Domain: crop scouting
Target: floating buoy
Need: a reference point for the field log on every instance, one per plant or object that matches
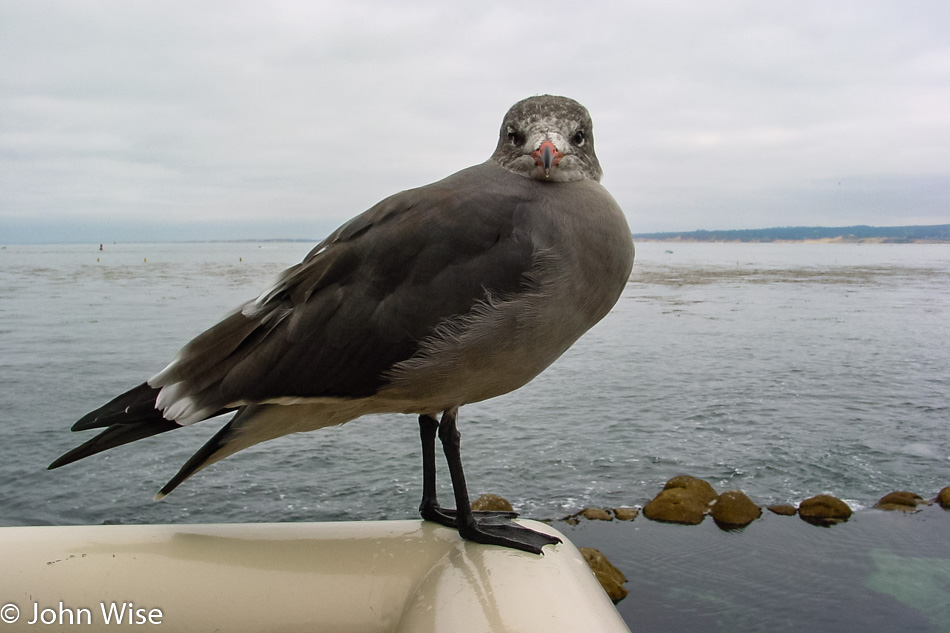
(145, 259)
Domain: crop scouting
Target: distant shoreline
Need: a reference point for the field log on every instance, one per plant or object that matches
(824, 240)
(917, 234)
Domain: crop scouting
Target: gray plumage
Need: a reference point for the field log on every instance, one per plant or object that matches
(436, 297)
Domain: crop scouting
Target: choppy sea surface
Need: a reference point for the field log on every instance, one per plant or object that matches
(784, 370)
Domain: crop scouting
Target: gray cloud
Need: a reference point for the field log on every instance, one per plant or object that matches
(213, 118)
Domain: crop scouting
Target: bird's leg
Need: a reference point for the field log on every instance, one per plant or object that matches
(430, 508)
(491, 530)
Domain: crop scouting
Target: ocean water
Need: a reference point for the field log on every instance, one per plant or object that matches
(784, 370)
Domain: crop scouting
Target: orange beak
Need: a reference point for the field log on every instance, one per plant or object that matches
(546, 156)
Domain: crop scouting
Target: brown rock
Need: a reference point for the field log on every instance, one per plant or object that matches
(698, 487)
(734, 510)
(684, 499)
(591, 514)
(784, 509)
(824, 510)
(902, 501)
(610, 578)
(596, 514)
(491, 503)
(675, 505)
(626, 514)
(943, 498)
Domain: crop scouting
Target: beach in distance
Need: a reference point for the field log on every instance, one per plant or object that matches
(862, 234)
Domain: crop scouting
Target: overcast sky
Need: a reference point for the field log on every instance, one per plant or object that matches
(191, 120)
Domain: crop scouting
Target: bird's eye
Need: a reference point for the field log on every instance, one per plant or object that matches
(579, 138)
(515, 137)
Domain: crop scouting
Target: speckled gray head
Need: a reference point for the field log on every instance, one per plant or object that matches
(548, 138)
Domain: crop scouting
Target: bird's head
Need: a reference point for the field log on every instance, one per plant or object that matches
(548, 138)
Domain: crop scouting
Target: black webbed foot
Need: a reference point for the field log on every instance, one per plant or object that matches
(505, 532)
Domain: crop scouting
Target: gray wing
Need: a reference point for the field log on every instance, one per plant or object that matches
(360, 302)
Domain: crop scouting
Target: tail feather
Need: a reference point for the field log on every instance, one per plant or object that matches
(126, 418)
(133, 416)
(254, 424)
(204, 457)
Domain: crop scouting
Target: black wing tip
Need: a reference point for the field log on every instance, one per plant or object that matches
(116, 435)
(136, 401)
(83, 450)
(87, 422)
(127, 417)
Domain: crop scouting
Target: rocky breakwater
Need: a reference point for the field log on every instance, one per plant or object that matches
(688, 500)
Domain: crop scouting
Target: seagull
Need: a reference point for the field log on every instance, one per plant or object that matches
(436, 297)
